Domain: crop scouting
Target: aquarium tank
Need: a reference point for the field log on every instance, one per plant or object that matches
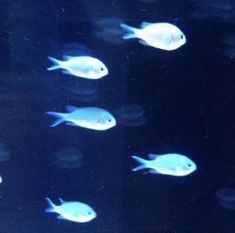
(117, 116)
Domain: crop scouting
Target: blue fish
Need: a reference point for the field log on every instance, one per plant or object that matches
(164, 36)
(167, 164)
(81, 66)
(86, 117)
(72, 211)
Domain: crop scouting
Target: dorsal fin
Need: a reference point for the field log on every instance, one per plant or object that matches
(67, 57)
(152, 156)
(71, 108)
(144, 24)
(61, 200)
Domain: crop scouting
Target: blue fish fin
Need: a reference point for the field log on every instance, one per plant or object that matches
(131, 31)
(67, 57)
(143, 42)
(71, 108)
(61, 200)
(70, 123)
(144, 24)
(152, 156)
(66, 72)
(60, 118)
(56, 64)
(51, 207)
(140, 167)
(60, 217)
(142, 163)
(152, 171)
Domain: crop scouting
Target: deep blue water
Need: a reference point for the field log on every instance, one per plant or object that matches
(187, 95)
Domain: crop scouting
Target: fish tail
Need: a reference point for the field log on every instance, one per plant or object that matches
(142, 163)
(56, 64)
(51, 207)
(60, 118)
(131, 32)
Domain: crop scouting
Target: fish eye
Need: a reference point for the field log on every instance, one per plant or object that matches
(181, 36)
(102, 68)
(189, 165)
(110, 120)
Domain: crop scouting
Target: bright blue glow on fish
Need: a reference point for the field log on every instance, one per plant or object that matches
(167, 164)
(164, 36)
(87, 117)
(81, 66)
(72, 211)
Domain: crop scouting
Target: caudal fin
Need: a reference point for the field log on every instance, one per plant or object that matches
(60, 118)
(51, 205)
(56, 64)
(131, 32)
(142, 163)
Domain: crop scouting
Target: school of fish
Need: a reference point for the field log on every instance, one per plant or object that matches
(160, 35)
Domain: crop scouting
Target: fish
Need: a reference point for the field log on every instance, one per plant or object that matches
(131, 115)
(86, 117)
(227, 194)
(67, 158)
(109, 30)
(163, 36)
(72, 211)
(81, 66)
(166, 164)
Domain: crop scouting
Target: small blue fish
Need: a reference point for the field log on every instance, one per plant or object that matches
(72, 211)
(81, 66)
(164, 36)
(86, 117)
(168, 164)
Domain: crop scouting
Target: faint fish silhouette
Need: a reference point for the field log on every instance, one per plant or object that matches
(226, 198)
(131, 115)
(5, 153)
(222, 10)
(109, 30)
(67, 158)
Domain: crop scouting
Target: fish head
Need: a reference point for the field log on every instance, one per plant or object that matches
(87, 216)
(176, 165)
(106, 121)
(177, 39)
(99, 70)
(186, 167)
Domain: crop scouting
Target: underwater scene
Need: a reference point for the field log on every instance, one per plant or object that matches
(117, 116)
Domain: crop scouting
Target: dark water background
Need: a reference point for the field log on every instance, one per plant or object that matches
(188, 96)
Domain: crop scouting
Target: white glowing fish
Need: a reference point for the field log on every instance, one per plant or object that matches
(81, 66)
(168, 164)
(86, 117)
(72, 211)
(164, 36)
